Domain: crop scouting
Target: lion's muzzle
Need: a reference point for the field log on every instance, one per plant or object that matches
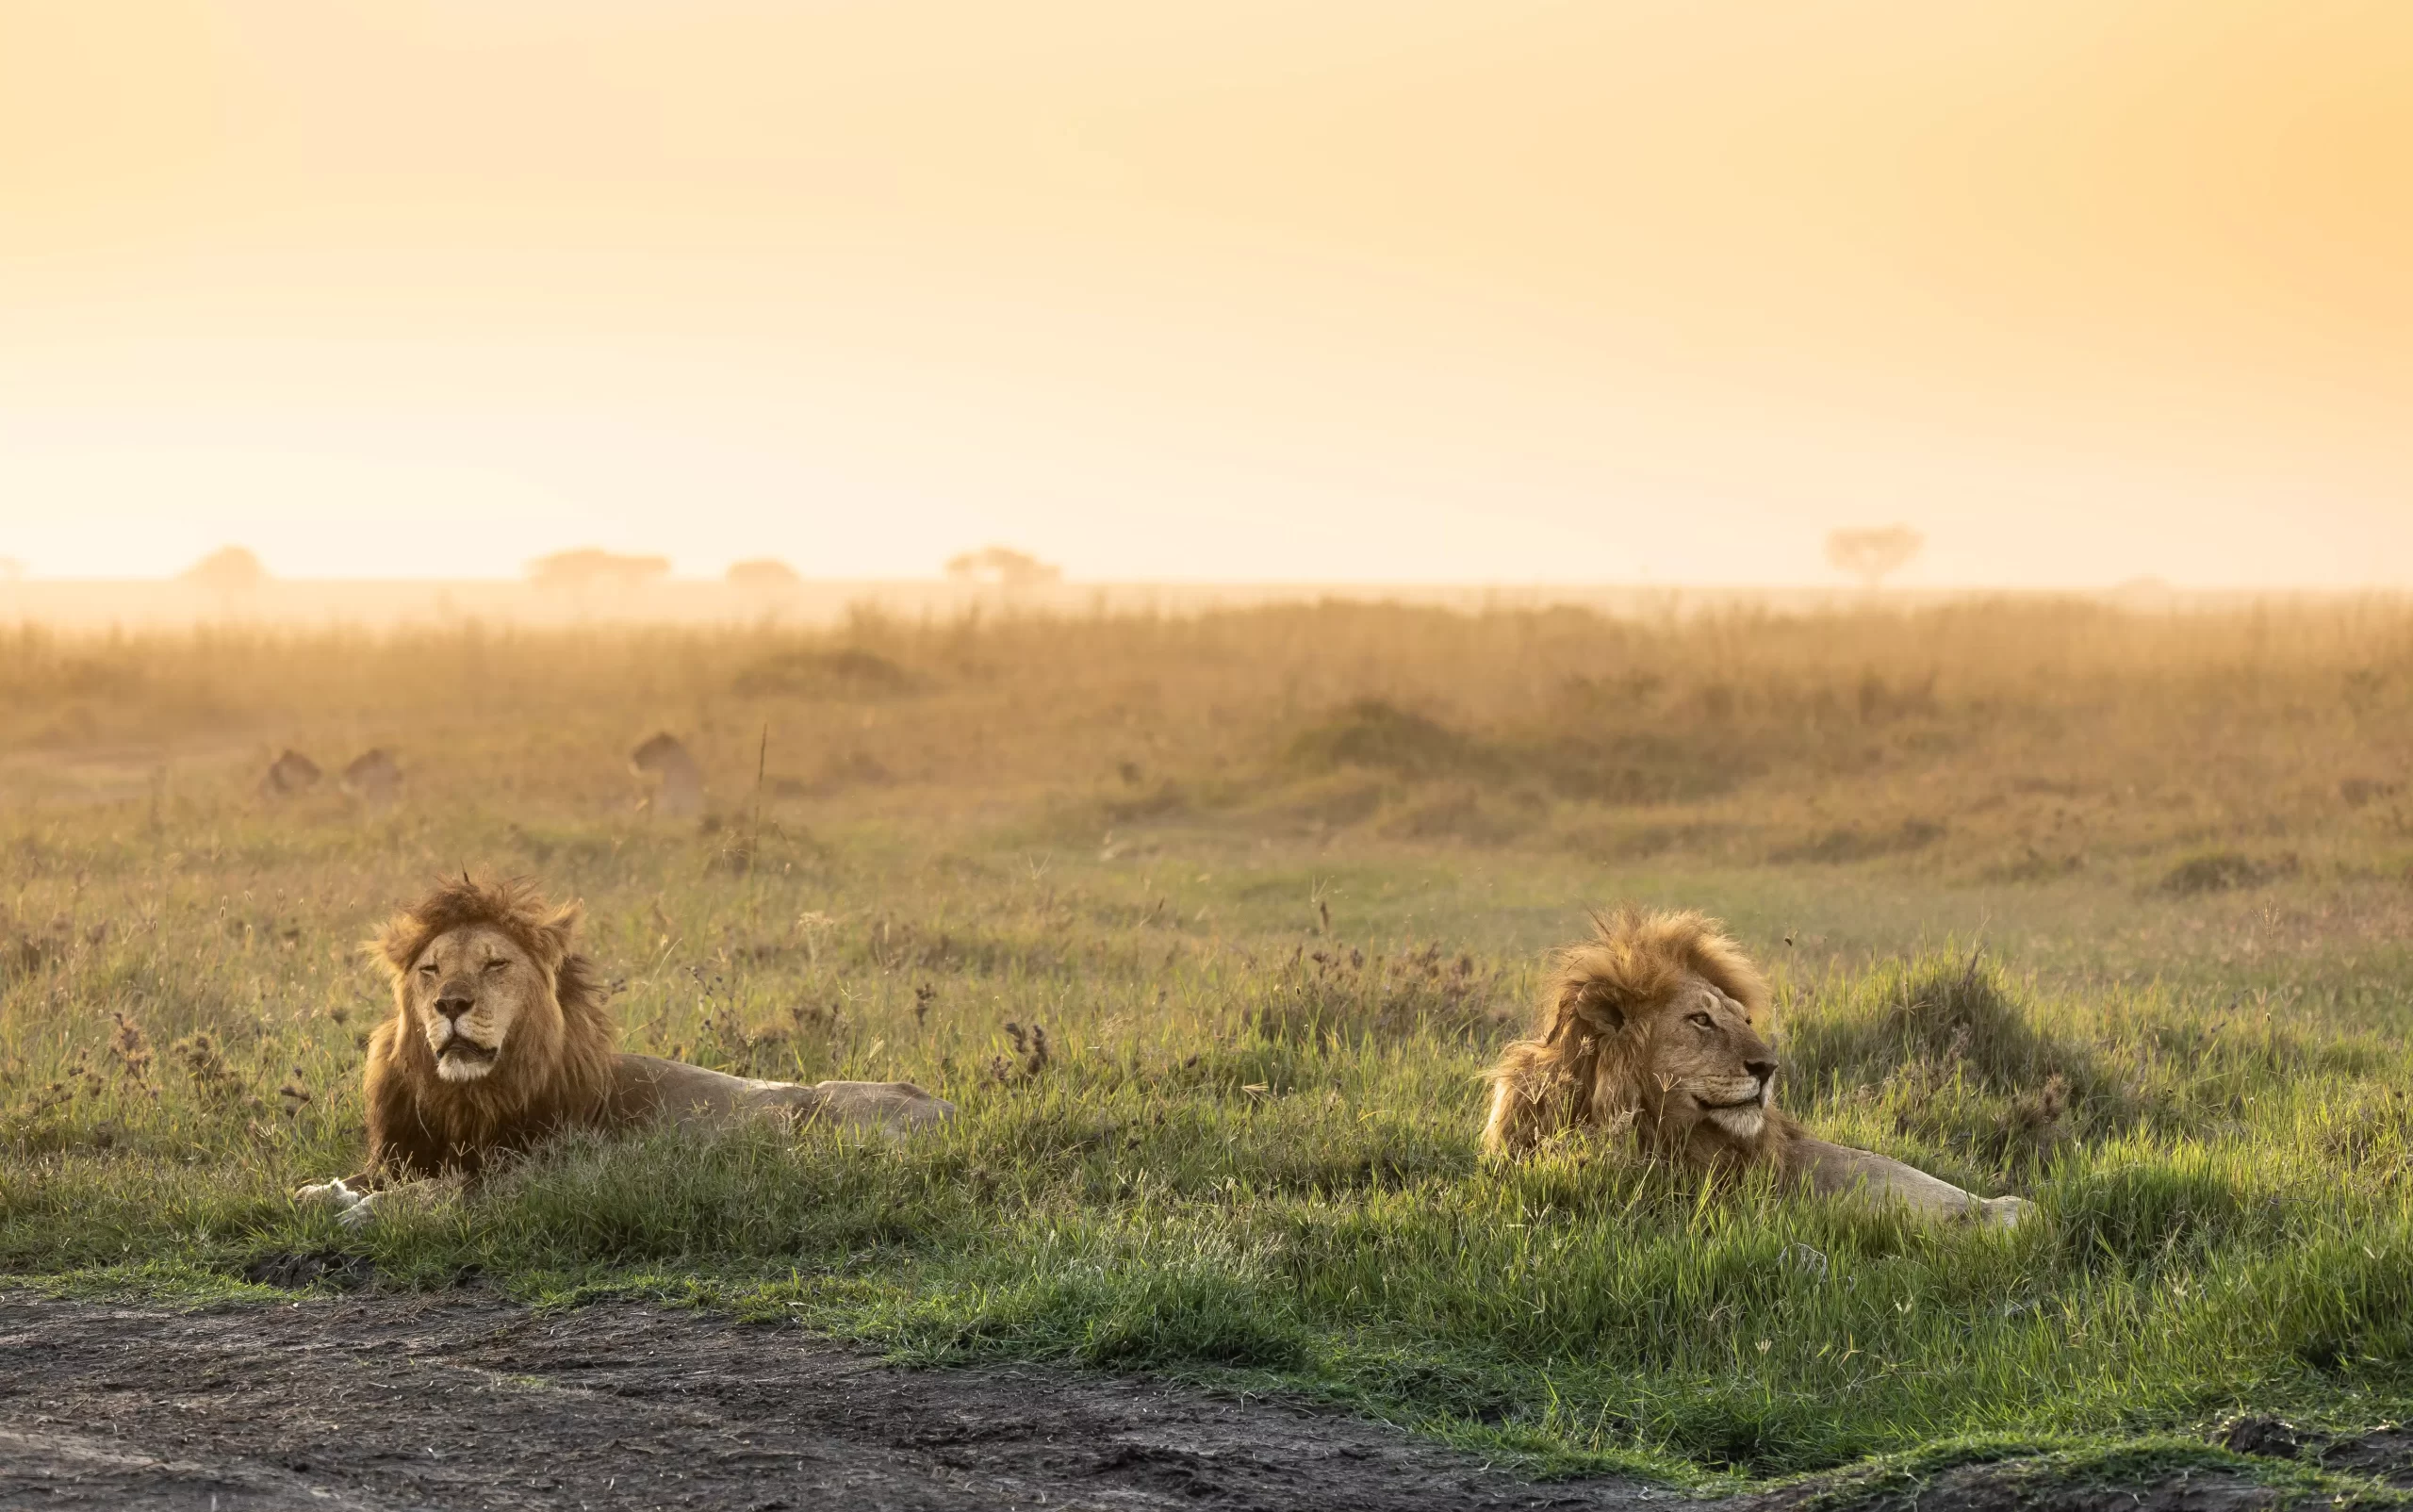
(459, 1056)
(1738, 1105)
(1720, 1093)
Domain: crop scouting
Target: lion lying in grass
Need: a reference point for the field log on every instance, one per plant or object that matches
(499, 1039)
(1647, 1035)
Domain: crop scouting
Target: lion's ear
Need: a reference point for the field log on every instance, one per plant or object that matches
(395, 945)
(554, 937)
(1595, 1004)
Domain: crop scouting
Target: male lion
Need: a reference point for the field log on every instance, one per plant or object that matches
(499, 1039)
(1647, 1034)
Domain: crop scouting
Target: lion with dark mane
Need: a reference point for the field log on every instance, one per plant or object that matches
(1647, 1036)
(499, 1039)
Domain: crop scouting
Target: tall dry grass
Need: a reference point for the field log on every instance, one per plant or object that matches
(1996, 739)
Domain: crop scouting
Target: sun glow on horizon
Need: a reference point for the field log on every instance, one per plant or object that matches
(1432, 292)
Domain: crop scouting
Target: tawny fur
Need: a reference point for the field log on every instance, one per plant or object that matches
(559, 1075)
(554, 1068)
(1591, 1065)
(1647, 1036)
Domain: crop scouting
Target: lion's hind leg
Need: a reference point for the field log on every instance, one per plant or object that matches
(2004, 1212)
(1838, 1170)
(893, 1108)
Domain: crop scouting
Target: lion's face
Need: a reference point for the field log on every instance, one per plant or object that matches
(1646, 1029)
(1707, 1063)
(467, 993)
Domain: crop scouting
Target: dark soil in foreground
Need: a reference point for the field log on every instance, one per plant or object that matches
(381, 1401)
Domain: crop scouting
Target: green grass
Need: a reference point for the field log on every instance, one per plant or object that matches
(1244, 1163)
(1249, 1156)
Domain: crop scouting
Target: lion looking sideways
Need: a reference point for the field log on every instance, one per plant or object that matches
(499, 1039)
(1647, 1033)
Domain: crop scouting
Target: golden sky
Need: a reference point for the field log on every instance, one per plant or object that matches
(1388, 289)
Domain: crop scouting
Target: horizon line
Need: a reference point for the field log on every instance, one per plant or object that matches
(2137, 584)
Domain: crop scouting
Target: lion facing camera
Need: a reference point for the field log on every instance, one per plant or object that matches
(499, 1039)
(1647, 1035)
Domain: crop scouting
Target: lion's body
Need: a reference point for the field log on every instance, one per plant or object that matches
(1647, 1036)
(499, 1040)
(646, 1088)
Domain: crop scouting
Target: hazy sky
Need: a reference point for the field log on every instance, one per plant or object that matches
(1262, 288)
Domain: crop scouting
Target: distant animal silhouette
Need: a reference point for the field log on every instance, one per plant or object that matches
(289, 776)
(375, 779)
(679, 790)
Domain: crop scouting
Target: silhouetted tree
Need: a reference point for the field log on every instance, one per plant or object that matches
(229, 571)
(587, 568)
(1003, 566)
(1870, 555)
(762, 575)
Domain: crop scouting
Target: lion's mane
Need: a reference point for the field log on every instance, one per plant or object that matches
(1590, 1064)
(555, 1072)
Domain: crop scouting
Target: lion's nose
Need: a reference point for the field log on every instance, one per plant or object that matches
(453, 1004)
(1762, 1069)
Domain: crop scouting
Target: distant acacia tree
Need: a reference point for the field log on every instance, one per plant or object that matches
(229, 571)
(1873, 554)
(587, 568)
(1003, 566)
(764, 575)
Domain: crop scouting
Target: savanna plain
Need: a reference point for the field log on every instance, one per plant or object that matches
(1209, 926)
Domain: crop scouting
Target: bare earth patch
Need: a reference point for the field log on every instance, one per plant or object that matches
(391, 1402)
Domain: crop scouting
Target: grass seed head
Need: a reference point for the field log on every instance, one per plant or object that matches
(131, 1048)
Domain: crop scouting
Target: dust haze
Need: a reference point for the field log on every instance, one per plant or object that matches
(1147, 570)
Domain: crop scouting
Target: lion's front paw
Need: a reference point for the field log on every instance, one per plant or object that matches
(335, 1194)
(2005, 1212)
(353, 1207)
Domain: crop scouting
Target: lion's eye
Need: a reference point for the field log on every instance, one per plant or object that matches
(493, 966)
(1703, 1020)
(428, 970)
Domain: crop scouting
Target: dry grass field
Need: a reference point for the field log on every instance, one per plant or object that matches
(1209, 924)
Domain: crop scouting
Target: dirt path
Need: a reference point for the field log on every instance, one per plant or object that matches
(384, 1402)
(379, 1402)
